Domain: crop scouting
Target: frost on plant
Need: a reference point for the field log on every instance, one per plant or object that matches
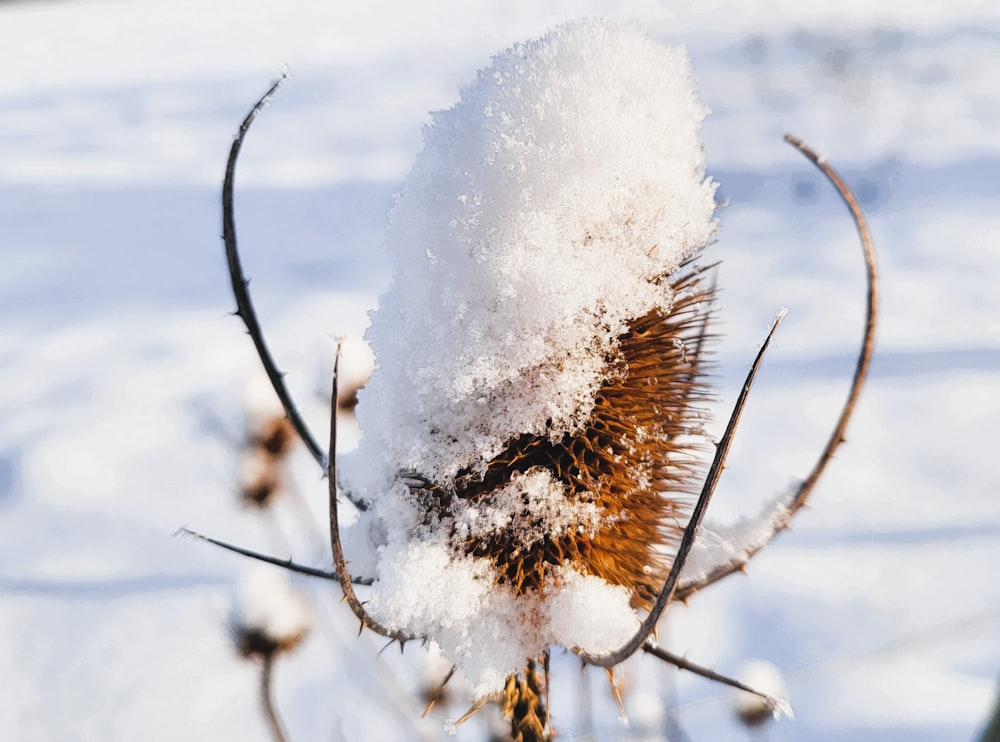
(527, 450)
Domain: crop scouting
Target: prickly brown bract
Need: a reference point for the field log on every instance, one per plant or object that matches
(524, 705)
(635, 460)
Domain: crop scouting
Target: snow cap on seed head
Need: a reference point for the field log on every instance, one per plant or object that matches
(764, 677)
(542, 215)
(268, 616)
(546, 213)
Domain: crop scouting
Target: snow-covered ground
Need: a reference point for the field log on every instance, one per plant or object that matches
(123, 379)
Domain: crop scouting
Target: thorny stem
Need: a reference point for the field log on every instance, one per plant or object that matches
(805, 488)
(339, 562)
(267, 702)
(683, 664)
(283, 563)
(691, 530)
(244, 305)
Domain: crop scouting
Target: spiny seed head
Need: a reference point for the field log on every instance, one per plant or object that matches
(625, 476)
(531, 429)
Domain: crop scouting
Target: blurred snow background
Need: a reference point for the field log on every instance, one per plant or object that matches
(124, 381)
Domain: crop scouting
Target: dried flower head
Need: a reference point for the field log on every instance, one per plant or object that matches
(270, 437)
(268, 616)
(765, 677)
(529, 447)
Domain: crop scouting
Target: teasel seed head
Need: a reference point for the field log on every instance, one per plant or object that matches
(530, 432)
(627, 474)
(270, 438)
(268, 616)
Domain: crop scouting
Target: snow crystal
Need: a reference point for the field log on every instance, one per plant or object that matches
(546, 212)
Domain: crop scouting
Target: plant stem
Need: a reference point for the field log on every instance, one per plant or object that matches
(267, 702)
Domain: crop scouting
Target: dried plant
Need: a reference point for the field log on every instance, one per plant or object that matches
(606, 507)
(263, 459)
(750, 709)
(268, 620)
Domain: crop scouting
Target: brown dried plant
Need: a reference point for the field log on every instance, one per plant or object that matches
(645, 486)
(264, 632)
(264, 458)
